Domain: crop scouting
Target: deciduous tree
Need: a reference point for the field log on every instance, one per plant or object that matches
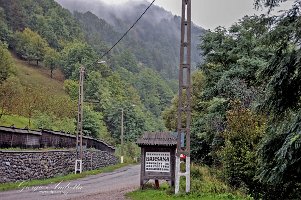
(51, 59)
(30, 45)
(7, 67)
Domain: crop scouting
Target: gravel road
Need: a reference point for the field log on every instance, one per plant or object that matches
(106, 186)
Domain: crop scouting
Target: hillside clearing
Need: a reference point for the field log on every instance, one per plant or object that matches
(38, 76)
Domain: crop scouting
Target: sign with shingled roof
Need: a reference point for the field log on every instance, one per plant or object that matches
(157, 157)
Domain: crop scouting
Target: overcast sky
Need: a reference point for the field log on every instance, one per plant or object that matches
(210, 13)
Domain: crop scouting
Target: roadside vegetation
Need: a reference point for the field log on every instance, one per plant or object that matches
(205, 185)
(131, 152)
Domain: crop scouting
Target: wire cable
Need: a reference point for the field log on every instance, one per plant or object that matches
(128, 30)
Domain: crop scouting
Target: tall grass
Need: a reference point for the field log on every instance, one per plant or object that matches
(17, 121)
(205, 185)
(34, 76)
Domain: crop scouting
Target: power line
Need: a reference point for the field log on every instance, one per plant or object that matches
(128, 29)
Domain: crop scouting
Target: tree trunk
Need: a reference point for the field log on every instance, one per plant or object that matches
(29, 119)
(51, 73)
(2, 111)
(37, 62)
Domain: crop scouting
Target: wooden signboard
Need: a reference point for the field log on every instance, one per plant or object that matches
(157, 157)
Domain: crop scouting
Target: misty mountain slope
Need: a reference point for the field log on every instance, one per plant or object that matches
(96, 29)
(155, 40)
(51, 35)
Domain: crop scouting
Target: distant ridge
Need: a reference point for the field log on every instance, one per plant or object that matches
(155, 40)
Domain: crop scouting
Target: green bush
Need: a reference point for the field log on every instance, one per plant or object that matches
(238, 156)
(131, 152)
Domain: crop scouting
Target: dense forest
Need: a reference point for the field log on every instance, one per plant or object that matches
(154, 41)
(48, 36)
(246, 104)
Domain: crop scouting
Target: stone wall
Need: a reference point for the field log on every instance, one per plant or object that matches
(27, 165)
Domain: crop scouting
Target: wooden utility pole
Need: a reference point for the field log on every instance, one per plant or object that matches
(79, 133)
(184, 107)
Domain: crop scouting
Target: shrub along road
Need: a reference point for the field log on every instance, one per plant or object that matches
(107, 186)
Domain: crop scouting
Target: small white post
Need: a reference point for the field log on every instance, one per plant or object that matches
(78, 166)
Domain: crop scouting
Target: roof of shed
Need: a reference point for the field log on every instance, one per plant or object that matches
(74, 136)
(19, 130)
(58, 133)
(158, 139)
